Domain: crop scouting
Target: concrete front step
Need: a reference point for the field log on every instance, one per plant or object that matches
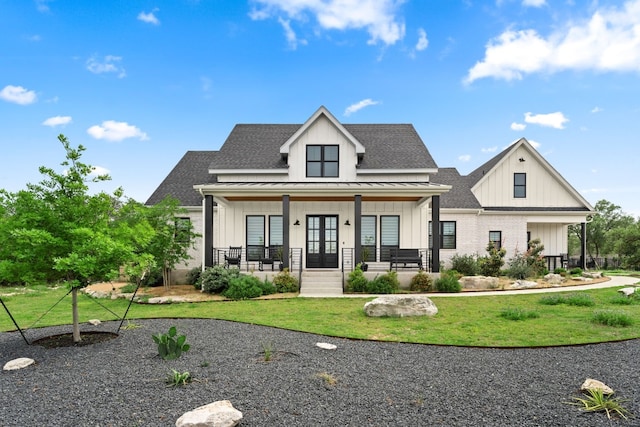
(321, 284)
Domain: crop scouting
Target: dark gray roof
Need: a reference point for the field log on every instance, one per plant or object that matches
(460, 195)
(192, 169)
(478, 173)
(388, 146)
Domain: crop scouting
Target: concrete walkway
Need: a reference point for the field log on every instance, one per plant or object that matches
(613, 282)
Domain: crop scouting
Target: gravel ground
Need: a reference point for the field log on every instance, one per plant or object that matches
(121, 382)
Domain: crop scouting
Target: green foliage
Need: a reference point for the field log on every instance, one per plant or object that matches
(170, 345)
(356, 282)
(129, 288)
(612, 318)
(627, 245)
(243, 287)
(267, 351)
(421, 282)
(152, 277)
(384, 284)
(551, 299)
(216, 279)
(467, 265)
(595, 400)
(518, 314)
(193, 277)
(575, 299)
(491, 264)
(267, 287)
(285, 282)
(178, 379)
(577, 271)
(561, 271)
(448, 282)
(528, 264)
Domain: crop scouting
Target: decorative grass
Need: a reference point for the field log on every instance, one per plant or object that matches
(595, 400)
(466, 321)
(578, 299)
(518, 313)
(612, 318)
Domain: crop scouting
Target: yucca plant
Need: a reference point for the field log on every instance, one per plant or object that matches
(595, 400)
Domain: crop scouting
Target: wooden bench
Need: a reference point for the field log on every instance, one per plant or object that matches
(404, 257)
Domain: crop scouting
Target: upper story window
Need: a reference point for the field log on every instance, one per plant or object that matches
(322, 161)
(519, 185)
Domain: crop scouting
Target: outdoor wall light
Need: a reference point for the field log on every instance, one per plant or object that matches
(297, 222)
(347, 222)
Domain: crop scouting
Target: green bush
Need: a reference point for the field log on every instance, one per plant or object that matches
(577, 300)
(552, 299)
(216, 279)
(193, 277)
(612, 318)
(467, 265)
(356, 282)
(267, 287)
(491, 264)
(244, 287)
(152, 278)
(385, 284)
(576, 271)
(285, 282)
(448, 282)
(560, 270)
(421, 282)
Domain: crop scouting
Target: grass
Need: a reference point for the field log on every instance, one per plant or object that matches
(517, 313)
(465, 321)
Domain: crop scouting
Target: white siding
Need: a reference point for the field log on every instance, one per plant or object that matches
(552, 236)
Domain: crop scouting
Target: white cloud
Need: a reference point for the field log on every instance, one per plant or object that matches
(534, 3)
(18, 95)
(99, 170)
(57, 121)
(464, 158)
(596, 110)
(489, 149)
(111, 130)
(149, 18)
(554, 120)
(378, 17)
(359, 106)
(534, 144)
(110, 64)
(423, 42)
(290, 35)
(608, 41)
(518, 126)
(42, 6)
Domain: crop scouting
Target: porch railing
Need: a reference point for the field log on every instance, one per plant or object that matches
(377, 259)
(249, 259)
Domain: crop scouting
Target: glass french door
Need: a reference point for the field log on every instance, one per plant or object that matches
(322, 241)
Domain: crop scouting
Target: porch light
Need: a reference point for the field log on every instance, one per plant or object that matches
(347, 222)
(297, 222)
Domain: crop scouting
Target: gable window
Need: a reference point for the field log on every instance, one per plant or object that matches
(389, 235)
(182, 229)
(495, 237)
(447, 235)
(368, 238)
(519, 185)
(322, 161)
(255, 237)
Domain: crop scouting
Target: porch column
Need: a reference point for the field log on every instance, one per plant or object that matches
(435, 233)
(583, 246)
(285, 230)
(208, 231)
(357, 229)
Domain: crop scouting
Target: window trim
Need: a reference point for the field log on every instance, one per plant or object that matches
(253, 251)
(442, 235)
(496, 243)
(322, 162)
(385, 250)
(522, 194)
(372, 245)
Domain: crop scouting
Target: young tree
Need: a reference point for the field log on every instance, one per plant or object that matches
(628, 245)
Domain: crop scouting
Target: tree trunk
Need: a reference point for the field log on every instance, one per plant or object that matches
(166, 277)
(74, 310)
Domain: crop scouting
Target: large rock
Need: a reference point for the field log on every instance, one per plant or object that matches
(216, 414)
(628, 291)
(592, 274)
(553, 279)
(400, 306)
(523, 284)
(479, 282)
(19, 363)
(591, 384)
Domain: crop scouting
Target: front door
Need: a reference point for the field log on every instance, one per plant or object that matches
(322, 241)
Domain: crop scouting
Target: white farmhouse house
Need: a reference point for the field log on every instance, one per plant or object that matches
(325, 196)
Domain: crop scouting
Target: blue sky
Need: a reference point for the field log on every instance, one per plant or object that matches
(138, 83)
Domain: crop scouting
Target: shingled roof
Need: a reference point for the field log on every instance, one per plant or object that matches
(460, 195)
(193, 168)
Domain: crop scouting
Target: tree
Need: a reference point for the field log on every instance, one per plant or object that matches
(627, 245)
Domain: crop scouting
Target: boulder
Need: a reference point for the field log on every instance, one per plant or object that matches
(628, 291)
(553, 279)
(216, 414)
(591, 384)
(19, 363)
(479, 282)
(592, 274)
(326, 346)
(400, 306)
(523, 284)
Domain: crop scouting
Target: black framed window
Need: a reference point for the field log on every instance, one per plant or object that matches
(519, 185)
(255, 237)
(495, 237)
(389, 235)
(322, 161)
(368, 238)
(182, 230)
(275, 235)
(447, 234)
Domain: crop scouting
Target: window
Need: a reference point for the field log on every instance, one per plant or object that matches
(495, 237)
(322, 161)
(255, 237)
(519, 185)
(368, 238)
(182, 230)
(447, 235)
(389, 236)
(275, 230)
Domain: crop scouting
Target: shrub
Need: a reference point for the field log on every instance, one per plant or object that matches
(560, 270)
(580, 300)
(448, 282)
(421, 282)
(530, 263)
(553, 299)
(612, 318)
(267, 287)
(467, 265)
(576, 271)
(193, 277)
(152, 278)
(519, 268)
(518, 314)
(170, 345)
(356, 282)
(385, 284)
(285, 282)
(129, 288)
(216, 279)
(491, 264)
(243, 287)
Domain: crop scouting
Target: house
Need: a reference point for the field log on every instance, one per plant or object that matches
(330, 195)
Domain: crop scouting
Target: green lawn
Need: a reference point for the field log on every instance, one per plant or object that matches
(467, 321)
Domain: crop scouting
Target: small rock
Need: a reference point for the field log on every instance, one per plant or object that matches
(166, 300)
(627, 291)
(591, 384)
(94, 322)
(216, 414)
(400, 306)
(523, 284)
(19, 363)
(326, 346)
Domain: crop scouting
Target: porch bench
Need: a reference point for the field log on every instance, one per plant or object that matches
(404, 257)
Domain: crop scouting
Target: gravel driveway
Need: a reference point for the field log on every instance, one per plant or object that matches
(121, 382)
